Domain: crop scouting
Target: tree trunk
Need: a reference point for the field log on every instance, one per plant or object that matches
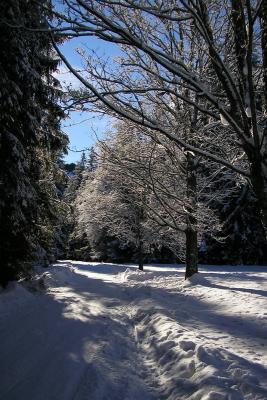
(191, 252)
(263, 188)
(263, 24)
(191, 230)
(262, 201)
(140, 248)
(140, 256)
(259, 185)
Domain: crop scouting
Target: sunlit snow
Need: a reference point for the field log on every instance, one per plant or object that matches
(106, 331)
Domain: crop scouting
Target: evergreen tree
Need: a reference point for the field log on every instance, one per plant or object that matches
(242, 237)
(75, 180)
(77, 243)
(30, 137)
(92, 160)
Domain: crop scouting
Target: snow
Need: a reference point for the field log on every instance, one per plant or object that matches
(224, 120)
(107, 332)
(248, 112)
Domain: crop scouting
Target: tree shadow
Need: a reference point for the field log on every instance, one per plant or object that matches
(69, 346)
(187, 309)
(200, 316)
(56, 353)
(236, 288)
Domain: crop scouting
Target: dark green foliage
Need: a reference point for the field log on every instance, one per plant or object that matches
(69, 168)
(30, 137)
(74, 183)
(242, 236)
(76, 243)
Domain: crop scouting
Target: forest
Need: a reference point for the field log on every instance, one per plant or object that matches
(181, 171)
(173, 194)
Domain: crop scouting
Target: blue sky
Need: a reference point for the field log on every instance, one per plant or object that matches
(82, 128)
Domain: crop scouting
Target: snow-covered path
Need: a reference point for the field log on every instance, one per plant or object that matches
(109, 332)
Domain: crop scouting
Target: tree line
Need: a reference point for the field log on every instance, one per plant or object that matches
(133, 205)
(191, 72)
(184, 167)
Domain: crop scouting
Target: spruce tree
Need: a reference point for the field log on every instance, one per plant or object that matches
(30, 137)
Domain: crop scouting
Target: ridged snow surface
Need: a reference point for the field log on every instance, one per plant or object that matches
(88, 331)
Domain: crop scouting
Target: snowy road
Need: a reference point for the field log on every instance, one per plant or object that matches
(109, 332)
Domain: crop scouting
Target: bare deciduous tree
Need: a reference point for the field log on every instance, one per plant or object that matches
(225, 80)
(140, 193)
